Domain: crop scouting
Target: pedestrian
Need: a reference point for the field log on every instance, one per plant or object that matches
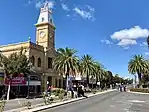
(124, 88)
(75, 90)
(81, 92)
(120, 88)
(49, 89)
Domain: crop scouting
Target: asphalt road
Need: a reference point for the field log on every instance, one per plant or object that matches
(109, 102)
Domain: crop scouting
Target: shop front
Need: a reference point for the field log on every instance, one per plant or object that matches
(33, 85)
(18, 86)
(1, 83)
(24, 85)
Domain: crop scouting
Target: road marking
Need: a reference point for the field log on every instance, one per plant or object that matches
(136, 101)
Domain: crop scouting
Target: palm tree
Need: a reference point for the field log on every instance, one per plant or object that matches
(1, 58)
(98, 71)
(66, 63)
(87, 66)
(137, 65)
(104, 78)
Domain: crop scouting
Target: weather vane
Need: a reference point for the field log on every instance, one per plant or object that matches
(46, 4)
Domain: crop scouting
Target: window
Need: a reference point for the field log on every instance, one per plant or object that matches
(50, 80)
(32, 60)
(51, 21)
(42, 19)
(39, 62)
(49, 62)
(56, 82)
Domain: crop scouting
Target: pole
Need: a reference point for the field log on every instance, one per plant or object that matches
(28, 85)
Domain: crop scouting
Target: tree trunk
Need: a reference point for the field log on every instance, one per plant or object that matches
(135, 80)
(140, 79)
(87, 80)
(9, 87)
(8, 92)
(67, 78)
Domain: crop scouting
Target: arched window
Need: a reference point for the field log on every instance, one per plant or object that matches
(32, 60)
(39, 62)
(49, 62)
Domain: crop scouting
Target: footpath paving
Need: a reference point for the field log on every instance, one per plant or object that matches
(16, 105)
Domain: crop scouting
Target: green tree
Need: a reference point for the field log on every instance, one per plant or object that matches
(116, 79)
(109, 78)
(66, 62)
(98, 71)
(104, 79)
(87, 66)
(1, 64)
(14, 65)
(137, 65)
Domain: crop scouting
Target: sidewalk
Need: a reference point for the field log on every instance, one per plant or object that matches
(138, 93)
(18, 103)
(38, 104)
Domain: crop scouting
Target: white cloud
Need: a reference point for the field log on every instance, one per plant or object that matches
(68, 15)
(132, 33)
(126, 47)
(65, 7)
(38, 4)
(129, 36)
(125, 42)
(144, 44)
(86, 12)
(146, 53)
(29, 2)
(106, 42)
(41, 3)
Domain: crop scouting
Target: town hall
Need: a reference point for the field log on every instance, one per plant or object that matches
(40, 53)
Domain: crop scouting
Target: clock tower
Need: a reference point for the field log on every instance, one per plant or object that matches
(45, 29)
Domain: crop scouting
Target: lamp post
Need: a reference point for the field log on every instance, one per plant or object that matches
(28, 84)
(45, 67)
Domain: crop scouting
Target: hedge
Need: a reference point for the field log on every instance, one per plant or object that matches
(139, 90)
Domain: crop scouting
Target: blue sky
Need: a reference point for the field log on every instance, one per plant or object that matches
(112, 31)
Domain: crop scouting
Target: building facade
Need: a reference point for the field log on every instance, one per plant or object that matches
(42, 52)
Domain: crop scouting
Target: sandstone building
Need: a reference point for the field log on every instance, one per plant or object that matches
(42, 52)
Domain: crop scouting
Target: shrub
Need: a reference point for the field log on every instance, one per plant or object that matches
(61, 94)
(2, 105)
(58, 91)
(139, 90)
(27, 104)
(47, 98)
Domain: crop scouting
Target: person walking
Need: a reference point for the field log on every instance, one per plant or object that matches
(81, 92)
(124, 88)
(120, 88)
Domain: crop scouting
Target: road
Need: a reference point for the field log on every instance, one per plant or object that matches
(109, 102)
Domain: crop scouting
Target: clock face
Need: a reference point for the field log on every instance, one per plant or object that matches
(42, 34)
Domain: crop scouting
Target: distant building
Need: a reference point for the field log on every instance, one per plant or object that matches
(41, 53)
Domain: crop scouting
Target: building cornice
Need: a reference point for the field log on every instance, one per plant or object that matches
(45, 23)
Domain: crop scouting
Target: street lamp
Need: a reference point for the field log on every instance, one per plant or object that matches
(45, 63)
(28, 79)
(28, 91)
